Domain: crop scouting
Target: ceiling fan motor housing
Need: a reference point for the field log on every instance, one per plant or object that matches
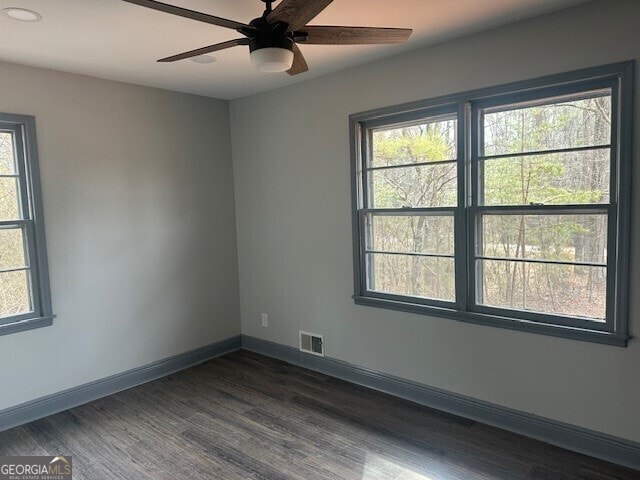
(265, 35)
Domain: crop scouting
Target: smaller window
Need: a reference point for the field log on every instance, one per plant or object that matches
(25, 301)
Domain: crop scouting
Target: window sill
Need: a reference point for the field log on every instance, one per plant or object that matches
(607, 338)
(28, 324)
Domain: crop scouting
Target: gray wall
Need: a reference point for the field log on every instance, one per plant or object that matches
(292, 190)
(138, 199)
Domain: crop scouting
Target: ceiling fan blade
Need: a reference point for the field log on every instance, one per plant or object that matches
(299, 63)
(186, 13)
(297, 13)
(204, 50)
(320, 35)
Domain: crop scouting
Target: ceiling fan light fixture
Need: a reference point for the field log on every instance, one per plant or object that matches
(272, 59)
(271, 54)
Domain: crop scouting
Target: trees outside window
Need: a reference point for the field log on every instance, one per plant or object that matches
(507, 206)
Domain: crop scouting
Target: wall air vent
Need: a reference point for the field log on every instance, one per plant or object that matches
(311, 343)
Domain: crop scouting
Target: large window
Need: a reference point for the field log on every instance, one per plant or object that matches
(24, 291)
(506, 206)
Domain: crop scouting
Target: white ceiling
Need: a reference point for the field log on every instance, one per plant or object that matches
(116, 40)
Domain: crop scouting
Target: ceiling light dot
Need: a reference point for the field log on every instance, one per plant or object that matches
(22, 14)
(203, 59)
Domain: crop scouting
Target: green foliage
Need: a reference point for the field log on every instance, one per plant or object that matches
(538, 179)
(415, 185)
(411, 147)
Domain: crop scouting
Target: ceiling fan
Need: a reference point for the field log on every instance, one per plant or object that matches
(273, 37)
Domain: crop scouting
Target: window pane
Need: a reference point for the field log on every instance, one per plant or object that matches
(411, 233)
(9, 199)
(15, 295)
(427, 277)
(553, 179)
(419, 186)
(560, 123)
(545, 288)
(11, 249)
(429, 141)
(568, 238)
(7, 159)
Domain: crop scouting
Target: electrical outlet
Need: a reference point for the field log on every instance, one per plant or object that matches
(265, 320)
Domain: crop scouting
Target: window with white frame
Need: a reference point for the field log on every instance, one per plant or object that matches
(24, 290)
(507, 206)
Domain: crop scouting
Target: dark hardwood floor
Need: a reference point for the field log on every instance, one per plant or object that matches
(247, 416)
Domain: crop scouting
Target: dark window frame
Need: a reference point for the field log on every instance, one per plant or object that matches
(467, 106)
(23, 129)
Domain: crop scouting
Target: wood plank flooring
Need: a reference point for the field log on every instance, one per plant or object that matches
(245, 416)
